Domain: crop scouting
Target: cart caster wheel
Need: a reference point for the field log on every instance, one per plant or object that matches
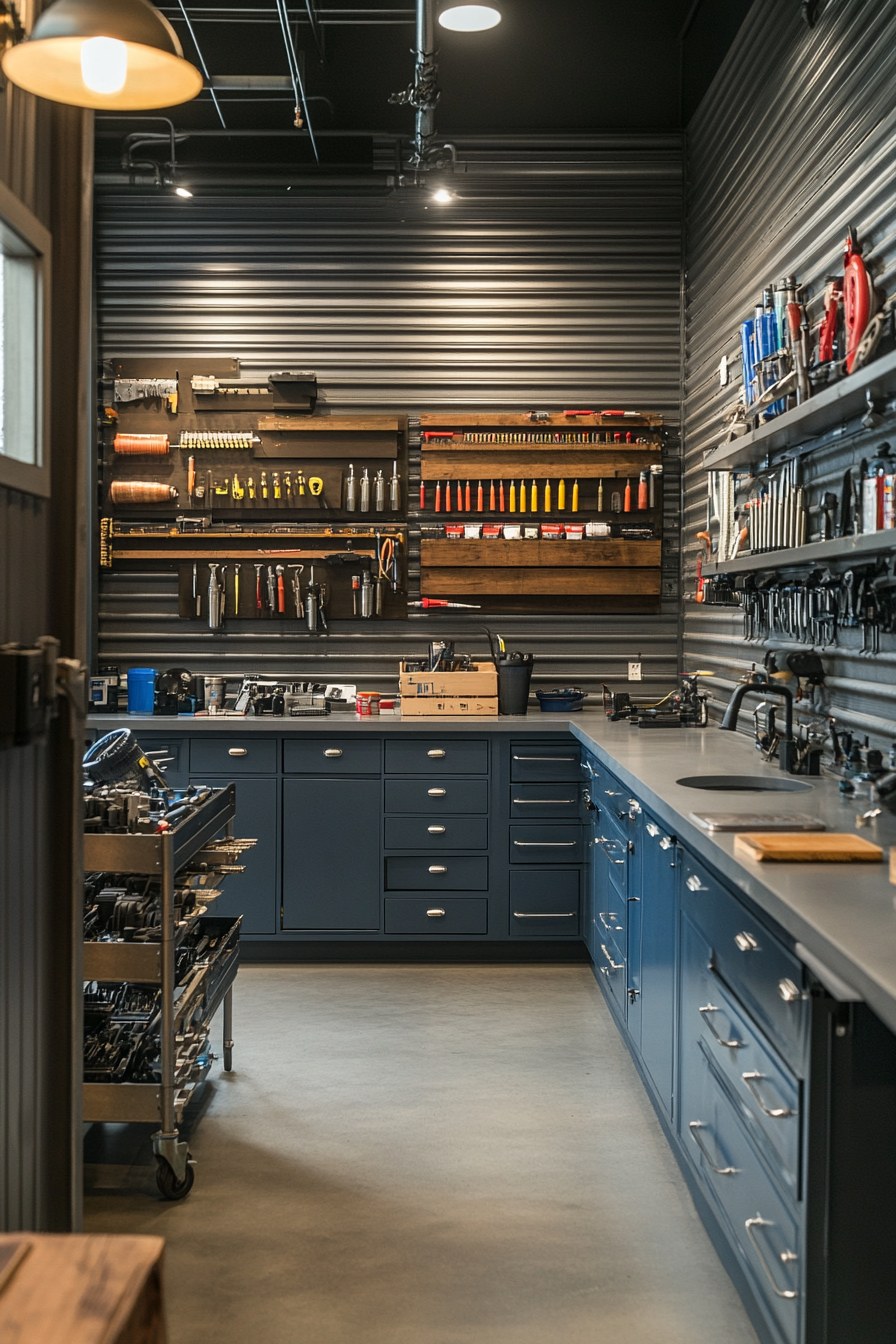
(228, 1061)
(169, 1186)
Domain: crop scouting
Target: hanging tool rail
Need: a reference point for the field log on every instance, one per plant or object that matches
(186, 1005)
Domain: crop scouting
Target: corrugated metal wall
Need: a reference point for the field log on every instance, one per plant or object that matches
(552, 280)
(795, 140)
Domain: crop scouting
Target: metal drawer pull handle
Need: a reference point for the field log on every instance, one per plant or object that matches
(750, 1223)
(732, 1044)
(546, 844)
(666, 843)
(789, 992)
(635, 806)
(237, 751)
(437, 793)
(776, 1112)
(438, 868)
(693, 1126)
(531, 802)
(437, 753)
(551, 914)
(746, 942)
(611, 793)
(616, 965)
(693, 883)
(435, 913)
(333, 751)
(544, 758)
(436, 830)
(652, 829)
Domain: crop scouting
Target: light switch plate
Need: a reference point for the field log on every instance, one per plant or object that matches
(634, 671)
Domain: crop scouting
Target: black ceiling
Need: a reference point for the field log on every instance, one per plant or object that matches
(570, 66)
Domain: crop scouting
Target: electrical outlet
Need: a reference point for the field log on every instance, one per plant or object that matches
(634, 671)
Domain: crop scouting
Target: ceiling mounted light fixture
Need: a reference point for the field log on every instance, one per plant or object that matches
(114, 55)
(469, 18)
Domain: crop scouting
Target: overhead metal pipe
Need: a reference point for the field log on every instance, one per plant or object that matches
(296, 75)
(202, 63)
(424, 93)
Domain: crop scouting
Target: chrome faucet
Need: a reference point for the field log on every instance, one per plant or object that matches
(761, 684)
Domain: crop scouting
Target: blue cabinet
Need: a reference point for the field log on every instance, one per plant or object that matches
(654, 975)
(331, 854)
(253, 893)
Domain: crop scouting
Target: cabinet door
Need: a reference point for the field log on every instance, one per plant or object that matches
(331, 854)
(658, 910)
(252, 894)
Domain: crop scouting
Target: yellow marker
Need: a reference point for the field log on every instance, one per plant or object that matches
(561, 496)
(547, 496)
(575, 496)
(533, 498)
(513, 496)
(251, 487)
(522, 496)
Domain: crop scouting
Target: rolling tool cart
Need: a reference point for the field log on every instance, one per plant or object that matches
(156, 973)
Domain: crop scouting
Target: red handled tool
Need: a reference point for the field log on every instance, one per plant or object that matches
(858, 297)
(501, 496)
(429, 434)
(422, 495)
(491, 497)
(479, 499)
(467, 499)
(428, 602)
(627, 506)
(438, 496)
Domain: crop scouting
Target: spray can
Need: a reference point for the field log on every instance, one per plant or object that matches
(379, 493)
(395, 490)
(351, 490)
(366, 594)
(365, 492)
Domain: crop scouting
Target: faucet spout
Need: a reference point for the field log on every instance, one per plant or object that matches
(763, 687)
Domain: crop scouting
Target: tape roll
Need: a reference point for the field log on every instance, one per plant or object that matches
(141, 492)
(149, 445)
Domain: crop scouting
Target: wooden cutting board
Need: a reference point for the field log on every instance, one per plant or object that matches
(801, 847)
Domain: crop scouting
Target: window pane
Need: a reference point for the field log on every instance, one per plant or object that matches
(20, 351)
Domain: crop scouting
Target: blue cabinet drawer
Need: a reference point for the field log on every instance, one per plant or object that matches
(761, 1225)
(763, 1089)
(323, 756)
(762, 973)
(434, 915)
(434, 798)
(544, 902)
(437, 757)
(555, 760)
(615, 856)
(546, 844)
(233, 755)
(557, 801)
(421, 833)
(254, 892)
(440, 873)
(610, 965)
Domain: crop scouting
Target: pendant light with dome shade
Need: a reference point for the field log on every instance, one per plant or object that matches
(112, 55)
(462, 18)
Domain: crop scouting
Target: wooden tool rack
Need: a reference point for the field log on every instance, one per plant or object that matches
(612, 574)
(185, 1016)
(303, 529)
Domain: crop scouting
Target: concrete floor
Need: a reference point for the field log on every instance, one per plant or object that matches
(425, 1155)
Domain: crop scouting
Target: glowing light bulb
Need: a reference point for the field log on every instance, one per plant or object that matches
(182, 191)
(104, 64)
(442, 196)
(470, 18)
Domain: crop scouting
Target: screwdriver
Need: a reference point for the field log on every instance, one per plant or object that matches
(575, 497)
(467, 499)
(627, 506)
(236, 590)
(501, 496)
(191, 477)
(479, 502)
(259, 604)
(600, 496)
(427, 602)
(438, 496)
(491, 497)
(460, 502)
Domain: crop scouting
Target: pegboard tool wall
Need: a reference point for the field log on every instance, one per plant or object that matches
(507, 304)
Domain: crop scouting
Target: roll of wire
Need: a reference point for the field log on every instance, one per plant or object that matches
(144, 445)
(141, 492)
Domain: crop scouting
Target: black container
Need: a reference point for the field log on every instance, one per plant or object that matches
(514, 676)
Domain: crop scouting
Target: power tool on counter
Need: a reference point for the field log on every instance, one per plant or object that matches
(681, 708)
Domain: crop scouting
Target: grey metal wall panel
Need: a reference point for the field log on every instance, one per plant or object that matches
(795, 140)
(553, 280)
(24, 903)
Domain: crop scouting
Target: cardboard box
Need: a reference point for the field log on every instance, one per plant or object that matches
(431, 706)
(467, 685)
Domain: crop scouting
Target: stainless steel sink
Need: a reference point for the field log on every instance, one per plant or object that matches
(745, 783)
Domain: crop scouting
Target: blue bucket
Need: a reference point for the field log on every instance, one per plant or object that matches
(141, 690)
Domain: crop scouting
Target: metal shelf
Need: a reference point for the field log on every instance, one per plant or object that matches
(813, 553)
(828, 408)
(144, 853)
